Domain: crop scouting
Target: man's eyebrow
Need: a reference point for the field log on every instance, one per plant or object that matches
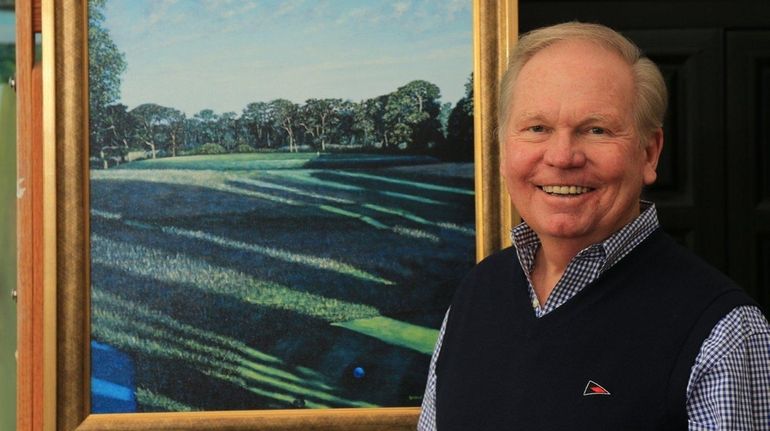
(530, 116)
(601, 118)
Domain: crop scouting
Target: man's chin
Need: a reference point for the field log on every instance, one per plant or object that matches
(563, 228)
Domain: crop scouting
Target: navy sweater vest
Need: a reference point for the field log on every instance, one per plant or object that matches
(635, 331)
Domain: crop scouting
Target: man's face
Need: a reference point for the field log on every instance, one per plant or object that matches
(573, 162)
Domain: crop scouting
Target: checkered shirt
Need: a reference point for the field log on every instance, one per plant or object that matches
(729, 386)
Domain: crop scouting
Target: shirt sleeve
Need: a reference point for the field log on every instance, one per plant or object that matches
(427, 421)
(729, 387)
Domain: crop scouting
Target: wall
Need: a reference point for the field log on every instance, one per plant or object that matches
(7, 257)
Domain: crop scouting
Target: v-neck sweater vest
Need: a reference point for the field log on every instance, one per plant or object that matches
(635, 331)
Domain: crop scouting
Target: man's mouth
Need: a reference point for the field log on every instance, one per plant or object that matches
(565, 190)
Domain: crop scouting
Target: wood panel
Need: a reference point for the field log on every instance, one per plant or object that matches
(690, 192)
(29, 210)
(645, 14)
(748, 143)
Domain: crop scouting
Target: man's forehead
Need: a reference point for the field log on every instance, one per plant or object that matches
(580, 79)
(575, 58)
(571, 46)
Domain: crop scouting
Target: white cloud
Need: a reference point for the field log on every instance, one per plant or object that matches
(353, 15)
(159, 11)
(400, 8)
(288, 7)
(454, 7)
(213, 5)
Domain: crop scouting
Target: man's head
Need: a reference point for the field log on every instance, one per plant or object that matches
(651, 96)
(581, 131)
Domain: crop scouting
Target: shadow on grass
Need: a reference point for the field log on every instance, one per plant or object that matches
(249, 266)
(151, 334)
(335, 255)
(309, 273)
(384, 213)
(352, 161)
(248, 356)
(129, 245)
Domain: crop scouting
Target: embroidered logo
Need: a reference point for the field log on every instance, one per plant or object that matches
(593, 388)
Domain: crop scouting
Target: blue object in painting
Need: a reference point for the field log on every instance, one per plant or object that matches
(112, 380)
(359, 372)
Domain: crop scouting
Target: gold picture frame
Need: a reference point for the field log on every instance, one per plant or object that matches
(66, 398)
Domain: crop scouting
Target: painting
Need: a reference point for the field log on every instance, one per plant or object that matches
(281, 197)
(279, 224)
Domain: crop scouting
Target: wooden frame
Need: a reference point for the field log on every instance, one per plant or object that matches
(35, 227)
(67, 329)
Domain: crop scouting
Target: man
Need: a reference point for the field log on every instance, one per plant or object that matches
(595, 319)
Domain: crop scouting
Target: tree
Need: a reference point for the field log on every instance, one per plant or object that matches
(412, 115)
(343, 132)
(149, 118)
(174, 122)
(369, 121)
(207, 126)
(193, 138)
(319, 118)
(460, 127)
(227, 130)
(362, 124)
(258, 119)
(116, 141)
(285, 114)
(158, 126)
(443, 116)
(105, 67)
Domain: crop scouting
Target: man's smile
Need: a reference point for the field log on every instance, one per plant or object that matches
(565, 190)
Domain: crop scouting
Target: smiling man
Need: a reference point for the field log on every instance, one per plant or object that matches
(595, 318)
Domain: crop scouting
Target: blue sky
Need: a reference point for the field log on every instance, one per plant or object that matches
(224, 54)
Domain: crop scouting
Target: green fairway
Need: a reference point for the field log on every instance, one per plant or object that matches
(260, 281)
(395, 332)
(252, 161)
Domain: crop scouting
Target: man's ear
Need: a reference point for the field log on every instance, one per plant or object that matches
(654, 146)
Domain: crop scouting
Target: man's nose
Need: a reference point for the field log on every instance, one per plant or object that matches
(564, 151)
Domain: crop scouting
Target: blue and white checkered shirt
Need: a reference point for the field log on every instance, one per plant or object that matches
(729, 387)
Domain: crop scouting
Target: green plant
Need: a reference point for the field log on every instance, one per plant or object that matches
(244, 148)
(211, 148)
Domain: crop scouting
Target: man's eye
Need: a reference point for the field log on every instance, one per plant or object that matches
(596, 131)
(537, 129)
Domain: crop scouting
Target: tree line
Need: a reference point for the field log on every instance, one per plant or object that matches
(409, 119)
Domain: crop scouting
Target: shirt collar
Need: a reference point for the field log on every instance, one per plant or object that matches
(612, 249)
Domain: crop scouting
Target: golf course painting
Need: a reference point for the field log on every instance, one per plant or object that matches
(281, 200)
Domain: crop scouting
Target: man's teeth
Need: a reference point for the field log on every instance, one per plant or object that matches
(565, 190)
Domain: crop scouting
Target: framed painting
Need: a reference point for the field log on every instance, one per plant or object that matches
(249, 234)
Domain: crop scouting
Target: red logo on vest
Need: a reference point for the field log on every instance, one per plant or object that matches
(593, 388)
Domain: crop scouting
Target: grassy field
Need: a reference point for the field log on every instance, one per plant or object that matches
(260, 281)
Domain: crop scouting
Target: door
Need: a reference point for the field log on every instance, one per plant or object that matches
(690, 190)
(748, 150)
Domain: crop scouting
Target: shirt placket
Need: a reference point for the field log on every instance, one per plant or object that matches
(581, 271)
